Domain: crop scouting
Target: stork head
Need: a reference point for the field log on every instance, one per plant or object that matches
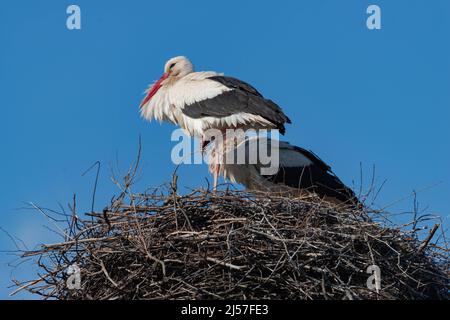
(178, 67)
(174, 69)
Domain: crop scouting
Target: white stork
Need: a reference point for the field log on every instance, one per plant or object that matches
(198, 101)
(300, 171)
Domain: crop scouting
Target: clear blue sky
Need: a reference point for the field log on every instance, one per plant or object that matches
(70, 98)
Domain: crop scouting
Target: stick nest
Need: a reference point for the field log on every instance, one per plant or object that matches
(234, 245)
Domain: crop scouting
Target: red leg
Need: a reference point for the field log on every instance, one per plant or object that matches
(202, 141)
(216, 177)
(217, 165)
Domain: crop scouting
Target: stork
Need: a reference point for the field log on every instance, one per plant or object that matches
(199, 101)
(300, 171)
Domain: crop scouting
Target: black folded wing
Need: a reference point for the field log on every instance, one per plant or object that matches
(316, 177)
(243, 98)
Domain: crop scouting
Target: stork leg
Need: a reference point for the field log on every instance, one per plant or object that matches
(217, 164)
(202, 142)
(216, 177)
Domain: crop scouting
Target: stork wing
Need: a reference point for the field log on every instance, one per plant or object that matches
(309, 155)
(234, 83)
(220, 97)
(302, 169)
(310, 172)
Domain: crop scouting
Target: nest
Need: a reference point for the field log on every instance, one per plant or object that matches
(235, 245)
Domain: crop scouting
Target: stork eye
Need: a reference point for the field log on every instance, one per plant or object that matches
(171, 66)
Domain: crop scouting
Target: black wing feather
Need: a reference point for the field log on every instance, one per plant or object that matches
(234, 83)
(313, 158)
(316, 177)
(243, 98)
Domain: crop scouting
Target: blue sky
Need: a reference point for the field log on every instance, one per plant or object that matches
(70, 98)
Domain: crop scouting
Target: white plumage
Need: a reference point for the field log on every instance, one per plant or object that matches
(196, 101)
(170, 100)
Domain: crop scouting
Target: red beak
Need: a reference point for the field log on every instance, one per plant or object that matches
(154, 89)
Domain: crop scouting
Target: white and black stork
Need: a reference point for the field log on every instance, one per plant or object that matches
(199, 101)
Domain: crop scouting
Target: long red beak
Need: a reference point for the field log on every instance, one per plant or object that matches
(154, 89)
